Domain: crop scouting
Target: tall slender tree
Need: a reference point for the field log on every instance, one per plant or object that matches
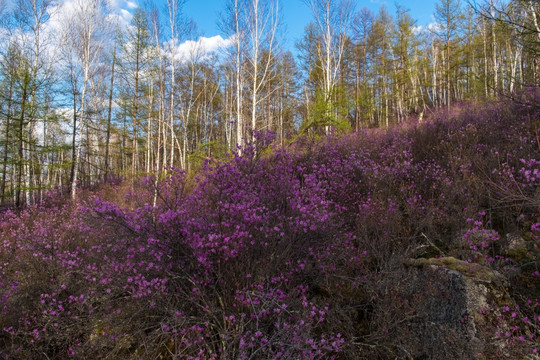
(133, 69)
(85, 34)
(333, 21)
(262, 20)
(448, 15)
(234, 27)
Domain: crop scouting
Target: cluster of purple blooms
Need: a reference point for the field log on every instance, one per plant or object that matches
(291, 252)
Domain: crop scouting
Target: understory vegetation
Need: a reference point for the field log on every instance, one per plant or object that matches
(309, 250)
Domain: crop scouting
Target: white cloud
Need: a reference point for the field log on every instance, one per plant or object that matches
(4, 36)
(417, 29)
(214, 43)
(200, 49)
(61, 129)
(434, 27)
(62, 12)
(65, 9)
(125, 17)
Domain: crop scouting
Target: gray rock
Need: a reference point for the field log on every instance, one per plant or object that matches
(451, 325)
(516, 246)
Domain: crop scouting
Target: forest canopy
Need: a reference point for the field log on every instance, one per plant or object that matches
(84, 96)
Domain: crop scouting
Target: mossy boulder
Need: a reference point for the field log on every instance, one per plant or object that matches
(460, 310)
(472, 270)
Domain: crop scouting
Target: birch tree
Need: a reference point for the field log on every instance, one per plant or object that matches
(29, 80)
(523, 16)
(333, 19)
(262, 19)
(404, 46)
(109, 110)
(232, 24)
(84, 38)
(174, 8)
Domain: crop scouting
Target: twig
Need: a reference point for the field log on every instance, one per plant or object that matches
(432, 244)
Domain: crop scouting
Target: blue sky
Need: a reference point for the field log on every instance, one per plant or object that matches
(296, 15)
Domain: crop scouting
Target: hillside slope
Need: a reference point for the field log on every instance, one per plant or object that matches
(414, 243)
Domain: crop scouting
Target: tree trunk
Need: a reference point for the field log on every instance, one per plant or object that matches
(21, 142)
(8, 120)
(109, 114)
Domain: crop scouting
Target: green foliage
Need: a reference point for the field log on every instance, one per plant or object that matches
(204, 151)
(328, 113)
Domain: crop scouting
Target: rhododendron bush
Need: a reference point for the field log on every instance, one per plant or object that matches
(294, 252)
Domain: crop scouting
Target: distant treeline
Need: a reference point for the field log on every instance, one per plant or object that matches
(85, 96)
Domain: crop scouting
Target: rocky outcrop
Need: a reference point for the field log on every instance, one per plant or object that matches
(454, 320)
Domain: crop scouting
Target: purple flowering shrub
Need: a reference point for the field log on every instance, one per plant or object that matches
(297, 252)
